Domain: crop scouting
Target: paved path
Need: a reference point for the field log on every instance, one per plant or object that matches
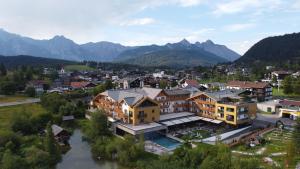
(27, 101)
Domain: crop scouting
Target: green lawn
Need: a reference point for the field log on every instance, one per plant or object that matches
(6, 113)
(78, 68)
(5, 99)
(280, 93)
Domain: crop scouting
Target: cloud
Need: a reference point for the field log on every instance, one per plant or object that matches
(138, 22)
(239, 27)
(237, 6)
(296, 4)
(188, 3)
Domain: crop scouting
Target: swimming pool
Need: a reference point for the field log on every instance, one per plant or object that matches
(167, 142)
(164, 141)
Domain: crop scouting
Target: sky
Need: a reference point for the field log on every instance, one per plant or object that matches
(238, 24)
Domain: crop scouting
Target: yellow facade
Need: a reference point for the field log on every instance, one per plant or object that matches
(285, 112)
(229, 112)
(146, 114)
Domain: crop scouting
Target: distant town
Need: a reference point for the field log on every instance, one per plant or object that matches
(157, 111)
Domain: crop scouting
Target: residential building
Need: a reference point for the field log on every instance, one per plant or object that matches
(271, 106)
(289, 109)
(189, 82)
(134, 106)
(82, 85)
(128, 83)
(230, 106)
(173, 100)
(260, 91)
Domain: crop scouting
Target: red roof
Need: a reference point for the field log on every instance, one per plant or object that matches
(192, 82)
(289, 102)
(247, 84)
(81, 84)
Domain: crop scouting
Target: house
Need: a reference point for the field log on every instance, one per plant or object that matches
(128, 83)
(215, 86)
(189, 82)
(296, 74)
(289, 109)
(38, 85)
(159, 74)
(260, 91)
(230, 106)
(68, 118)
(61, 135)
(173, 100)
(82, 85)
(134, 106)
(270, 106)
(280, 75)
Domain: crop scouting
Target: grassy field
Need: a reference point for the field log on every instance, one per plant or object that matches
(78, 68)
(6, 113)
(276, 143)
(5, 99)
(280, 93)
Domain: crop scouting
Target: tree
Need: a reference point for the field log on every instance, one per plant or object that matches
(99, 124)
(30, 91)
(51, 146)
(108, 85)
(287, 85)
(8, 87)
(296, 87)
(163, 84)
(98, 89)
(11, 161)
(3, 71)
(296, 135)
(37, 158)
(52, 102)
(67, 109)
(21, 123)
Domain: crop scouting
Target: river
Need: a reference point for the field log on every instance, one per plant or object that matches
(80, 157)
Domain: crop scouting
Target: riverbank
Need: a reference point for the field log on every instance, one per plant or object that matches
(80, 156)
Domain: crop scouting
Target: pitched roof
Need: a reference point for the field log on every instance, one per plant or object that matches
(56, 129)
(217, 95)
(177, 92)
(192, 82)
(289, 103)
(132, 96)
(247, 84)
(80, 84)
(282, 72)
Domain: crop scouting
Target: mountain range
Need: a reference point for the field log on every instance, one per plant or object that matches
(274, 50)
(182, 53)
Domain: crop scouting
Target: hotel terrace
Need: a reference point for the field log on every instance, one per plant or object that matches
(147, 110)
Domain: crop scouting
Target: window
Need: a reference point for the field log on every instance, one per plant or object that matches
(153, 111)
(153, 118)
(230, 118)
(230, 109)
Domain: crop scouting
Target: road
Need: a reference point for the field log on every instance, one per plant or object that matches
(27, 101)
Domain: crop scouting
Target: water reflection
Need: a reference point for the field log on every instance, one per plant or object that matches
(80, 157)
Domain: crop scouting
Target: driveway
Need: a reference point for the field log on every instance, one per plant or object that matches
(27, 101)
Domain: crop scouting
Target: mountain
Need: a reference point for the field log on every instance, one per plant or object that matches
(219, 50)
(274, 50)
(16, 61)
(180, 54)
(103, 49)
(58, 47)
